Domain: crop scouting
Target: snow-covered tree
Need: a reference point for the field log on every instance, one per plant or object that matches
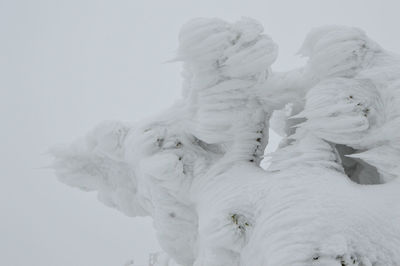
(330, 195)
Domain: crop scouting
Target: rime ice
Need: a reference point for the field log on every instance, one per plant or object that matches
(330, 195)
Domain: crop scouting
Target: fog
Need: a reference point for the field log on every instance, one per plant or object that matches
(67, 65)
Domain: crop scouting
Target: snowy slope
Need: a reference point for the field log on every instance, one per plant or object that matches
(330, 195)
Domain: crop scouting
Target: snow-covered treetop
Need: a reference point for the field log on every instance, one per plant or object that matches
(330, 195)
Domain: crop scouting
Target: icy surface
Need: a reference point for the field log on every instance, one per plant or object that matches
(330, 195)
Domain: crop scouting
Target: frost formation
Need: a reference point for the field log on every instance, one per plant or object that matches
(331, 194)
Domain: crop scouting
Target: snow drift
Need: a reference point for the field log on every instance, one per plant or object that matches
(331, 194)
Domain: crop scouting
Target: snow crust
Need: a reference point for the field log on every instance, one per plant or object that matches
(330, 195)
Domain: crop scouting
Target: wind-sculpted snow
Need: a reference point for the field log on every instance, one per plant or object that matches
(330, 195)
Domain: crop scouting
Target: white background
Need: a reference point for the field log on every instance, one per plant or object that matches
(67, 65)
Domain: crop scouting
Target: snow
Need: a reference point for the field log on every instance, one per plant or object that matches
(330, 193)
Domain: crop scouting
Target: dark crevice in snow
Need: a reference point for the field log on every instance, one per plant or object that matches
(357, 170)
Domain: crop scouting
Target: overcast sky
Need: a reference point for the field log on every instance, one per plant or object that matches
(67, 65)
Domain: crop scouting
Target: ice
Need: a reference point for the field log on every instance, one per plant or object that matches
(330, 195)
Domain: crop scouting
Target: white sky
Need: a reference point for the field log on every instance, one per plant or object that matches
(67, 65)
